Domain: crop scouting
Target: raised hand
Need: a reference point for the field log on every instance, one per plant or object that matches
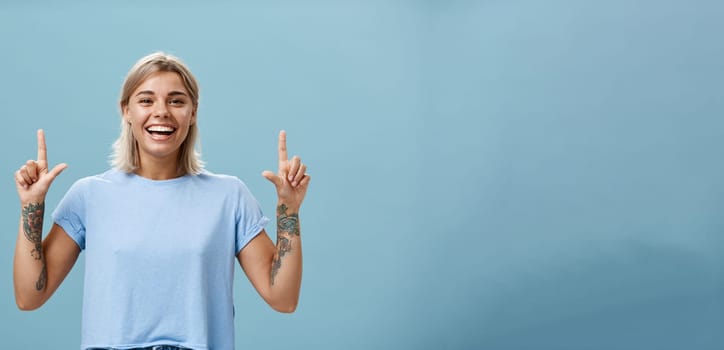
(291, 180)
(33, 179)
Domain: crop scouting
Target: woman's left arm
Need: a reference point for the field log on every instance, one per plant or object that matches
(275, 271)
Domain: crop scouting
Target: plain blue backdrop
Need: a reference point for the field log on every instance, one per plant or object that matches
(486, 174)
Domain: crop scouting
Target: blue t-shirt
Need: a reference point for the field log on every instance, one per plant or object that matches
(160, 255)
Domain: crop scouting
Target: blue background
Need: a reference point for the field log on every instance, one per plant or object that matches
(486, 174)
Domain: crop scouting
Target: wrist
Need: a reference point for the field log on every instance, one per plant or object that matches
(289, 206)
(31, 201)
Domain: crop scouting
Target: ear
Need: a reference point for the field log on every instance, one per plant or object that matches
(193, 116)
(124, 114)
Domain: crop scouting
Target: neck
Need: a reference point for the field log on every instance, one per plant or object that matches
(159, 169)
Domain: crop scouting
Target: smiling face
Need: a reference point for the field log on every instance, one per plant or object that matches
(160, 112)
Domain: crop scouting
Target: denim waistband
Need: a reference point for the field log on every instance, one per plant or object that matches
(155, 347)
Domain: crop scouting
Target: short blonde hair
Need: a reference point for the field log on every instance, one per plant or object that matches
(125, 155)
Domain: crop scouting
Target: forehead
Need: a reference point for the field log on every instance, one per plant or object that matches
(161, 82)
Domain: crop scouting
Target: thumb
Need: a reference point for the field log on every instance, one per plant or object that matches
(57, 170)
(272, 177)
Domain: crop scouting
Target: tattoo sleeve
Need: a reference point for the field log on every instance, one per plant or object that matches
(40, 284)
(32, 216)
(33, 226)
(287, 227)
(288, 223)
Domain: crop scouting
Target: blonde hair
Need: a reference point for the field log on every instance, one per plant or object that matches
(125, 155)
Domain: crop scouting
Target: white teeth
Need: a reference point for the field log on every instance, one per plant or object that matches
(160, 128)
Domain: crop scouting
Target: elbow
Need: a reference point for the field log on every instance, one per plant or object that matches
(28, 302)
(24, 305)
(285, 308)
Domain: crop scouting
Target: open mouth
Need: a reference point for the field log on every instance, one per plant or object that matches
(160, 130)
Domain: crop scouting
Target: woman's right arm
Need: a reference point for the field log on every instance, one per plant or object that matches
(39, 265)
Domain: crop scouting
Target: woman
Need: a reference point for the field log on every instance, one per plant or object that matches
(160, 233)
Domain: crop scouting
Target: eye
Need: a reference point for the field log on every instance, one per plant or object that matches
(177, 102)
(145, 101)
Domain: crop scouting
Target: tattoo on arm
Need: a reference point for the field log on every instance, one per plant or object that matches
(284, 246)
(287, 222)
(287, 225)
(33, 226)
(32, 216)
(40, 284)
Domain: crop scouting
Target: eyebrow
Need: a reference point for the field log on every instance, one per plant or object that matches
(172, 93)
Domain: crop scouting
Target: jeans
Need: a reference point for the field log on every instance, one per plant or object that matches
(155, 347)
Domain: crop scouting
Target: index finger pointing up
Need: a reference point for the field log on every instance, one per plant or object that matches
(42, 153)
(282, 147)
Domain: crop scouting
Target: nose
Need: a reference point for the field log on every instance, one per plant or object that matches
(161, 110)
